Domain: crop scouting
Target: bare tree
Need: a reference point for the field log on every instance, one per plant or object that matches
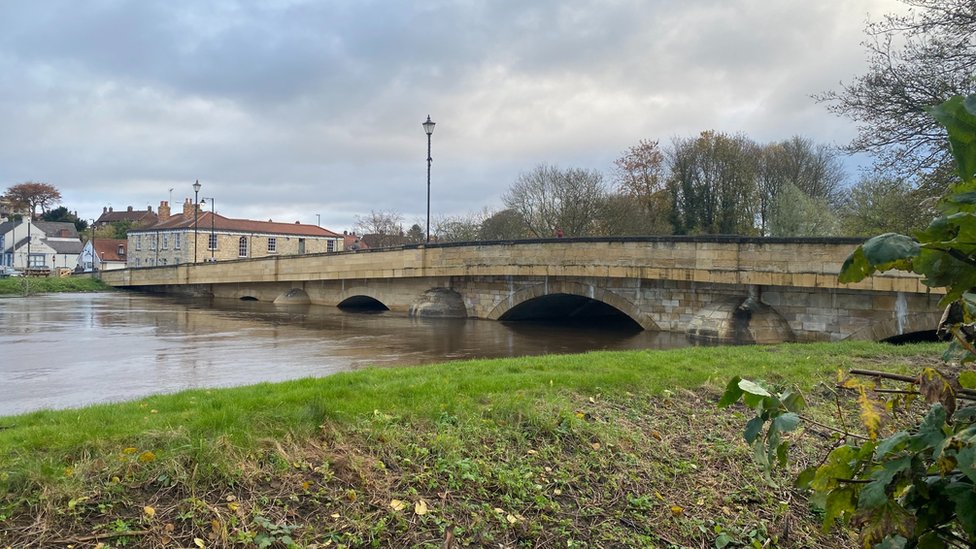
(31, 195)
(811, 168)
(914, 61)
(385, 228)
(550, 199)
(458, 228)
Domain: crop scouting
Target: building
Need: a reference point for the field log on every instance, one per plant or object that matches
(105, 255)
(206, 236)
(136, 218)
(52, 245)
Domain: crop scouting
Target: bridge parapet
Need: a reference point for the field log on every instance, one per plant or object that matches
(801, 263)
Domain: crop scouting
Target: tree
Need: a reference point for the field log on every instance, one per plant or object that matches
(797, 164)
(503, 225)
(416, 234)
(548, 198)
(641, 177)
(62, 214)
(712, 184)
(458, 228)
(32, 195)
(914, 61)
(878, 204)
(795, 213)
(385, 227)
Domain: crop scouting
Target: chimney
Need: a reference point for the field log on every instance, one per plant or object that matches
(163, 210)
(109, 209)
(149, 209)
(187, 208)
(130, 209)
(104, 209)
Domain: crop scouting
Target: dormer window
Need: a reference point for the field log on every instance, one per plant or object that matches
(121, 251)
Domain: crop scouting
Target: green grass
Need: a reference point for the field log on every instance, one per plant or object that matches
(43, 285)
(612, 430)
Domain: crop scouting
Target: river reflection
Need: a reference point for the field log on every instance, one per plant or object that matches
(68, 350)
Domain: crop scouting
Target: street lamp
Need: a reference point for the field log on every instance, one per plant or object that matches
(429, 128)
(212, 243)
(196, 209)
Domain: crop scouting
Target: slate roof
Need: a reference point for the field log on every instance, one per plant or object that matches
(66, 247)
(139, 217)
(53, 229)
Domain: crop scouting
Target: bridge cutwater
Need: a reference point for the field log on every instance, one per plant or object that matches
(719, 288)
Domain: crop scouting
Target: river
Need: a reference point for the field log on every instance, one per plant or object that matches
(70, 350)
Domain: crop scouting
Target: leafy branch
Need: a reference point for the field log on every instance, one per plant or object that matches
(917, 487)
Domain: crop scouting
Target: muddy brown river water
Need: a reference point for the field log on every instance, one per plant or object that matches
(70, 350)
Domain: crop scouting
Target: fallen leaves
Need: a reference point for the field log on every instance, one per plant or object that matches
(420, 508)
(397, 505)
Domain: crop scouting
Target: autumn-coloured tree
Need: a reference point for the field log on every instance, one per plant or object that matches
(641, 175)
(33, 194)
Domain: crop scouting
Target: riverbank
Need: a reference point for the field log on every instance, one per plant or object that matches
(600, 449)
(46, 285)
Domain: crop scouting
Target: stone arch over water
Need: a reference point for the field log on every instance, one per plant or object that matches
(362, 303)
(504, 310)
(911, 323)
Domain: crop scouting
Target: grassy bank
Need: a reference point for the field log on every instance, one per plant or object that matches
(602, 449)
(45, 285)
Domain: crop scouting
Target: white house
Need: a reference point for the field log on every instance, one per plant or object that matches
(50, 244)
(106, 255)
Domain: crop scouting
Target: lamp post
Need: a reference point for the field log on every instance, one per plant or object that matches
(212, 243)
(196, 211)
(429, 128)
(93, 248)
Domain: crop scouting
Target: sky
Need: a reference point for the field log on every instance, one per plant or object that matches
(308, 110)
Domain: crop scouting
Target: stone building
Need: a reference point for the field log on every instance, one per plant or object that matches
(205, 236)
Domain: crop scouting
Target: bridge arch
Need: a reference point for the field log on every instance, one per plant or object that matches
(552, 288)
(911, 323)
(360, 302)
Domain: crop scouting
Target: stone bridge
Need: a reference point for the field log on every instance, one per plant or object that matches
(715, 288)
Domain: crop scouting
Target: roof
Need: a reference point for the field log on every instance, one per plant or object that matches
(222, 223)
(65, 247)
(107, 249)
(6, 226)
(145, 217)
(353, 242)
(53, 229)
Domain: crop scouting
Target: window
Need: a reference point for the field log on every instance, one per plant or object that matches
(138, 242)
(35, 261)
(212, 241)
(301, 245)
(165, 242)
(331, 245)
(135, 262)
(242, 247)
(272, 245)
(121, 250)
(152, 241)
(162, 261)
(177, 241)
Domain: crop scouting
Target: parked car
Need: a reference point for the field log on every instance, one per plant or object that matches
(6, 271)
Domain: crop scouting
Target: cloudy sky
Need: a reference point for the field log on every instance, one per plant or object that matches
(286, 109)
